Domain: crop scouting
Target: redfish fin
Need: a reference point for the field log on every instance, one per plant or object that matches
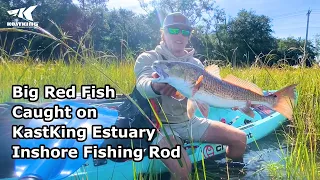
(178, 96)
(247, 111)
(204, 109)
(191, 108)
(243, 84)
(285, 101)
(213, 70)
(197, 85)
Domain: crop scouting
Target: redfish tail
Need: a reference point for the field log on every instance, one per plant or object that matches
(285, 99)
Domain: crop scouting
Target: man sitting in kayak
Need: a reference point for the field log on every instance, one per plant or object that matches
(174, 38)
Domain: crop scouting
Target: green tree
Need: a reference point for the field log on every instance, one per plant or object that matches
(291, 50)
(240, 40)
(250, 35)
(199, 12)
(91, 4)
(46, 10)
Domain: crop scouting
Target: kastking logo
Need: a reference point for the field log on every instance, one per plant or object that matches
(25, 14)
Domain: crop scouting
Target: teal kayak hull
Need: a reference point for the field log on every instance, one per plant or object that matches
(264, 123)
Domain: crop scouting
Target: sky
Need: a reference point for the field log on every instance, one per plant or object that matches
(289, 17)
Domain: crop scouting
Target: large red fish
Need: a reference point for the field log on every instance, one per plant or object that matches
(205, 87)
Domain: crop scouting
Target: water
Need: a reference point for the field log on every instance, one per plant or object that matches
(269, 150)
(254, 167)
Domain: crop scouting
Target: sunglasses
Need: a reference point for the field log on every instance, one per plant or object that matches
(175, 31)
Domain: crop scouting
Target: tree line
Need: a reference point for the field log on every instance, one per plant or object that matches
(122, 34)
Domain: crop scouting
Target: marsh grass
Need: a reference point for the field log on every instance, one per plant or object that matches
(60, 75)
(301, 159)
(300, 162)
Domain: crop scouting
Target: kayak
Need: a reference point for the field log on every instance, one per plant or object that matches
(264, 122)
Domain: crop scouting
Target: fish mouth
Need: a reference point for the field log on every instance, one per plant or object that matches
(162, 75)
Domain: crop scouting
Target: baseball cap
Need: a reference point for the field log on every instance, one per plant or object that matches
(177, 18)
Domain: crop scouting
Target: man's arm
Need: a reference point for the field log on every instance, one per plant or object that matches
(143, 73)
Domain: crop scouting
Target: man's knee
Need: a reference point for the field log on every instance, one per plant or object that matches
(165, 141)
(241, 137)
(242, 141)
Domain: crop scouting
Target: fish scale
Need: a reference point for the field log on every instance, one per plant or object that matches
(225, 90)
(217, 87)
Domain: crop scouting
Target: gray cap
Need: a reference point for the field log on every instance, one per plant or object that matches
(177, 18)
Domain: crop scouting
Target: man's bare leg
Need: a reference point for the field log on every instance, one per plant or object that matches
(220, 133)
(177, 172)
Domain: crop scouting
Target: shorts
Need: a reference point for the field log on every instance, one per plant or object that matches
(194, 129)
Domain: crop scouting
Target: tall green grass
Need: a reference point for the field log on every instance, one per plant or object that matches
(302, 159)
(301, 162)
(61, 75)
